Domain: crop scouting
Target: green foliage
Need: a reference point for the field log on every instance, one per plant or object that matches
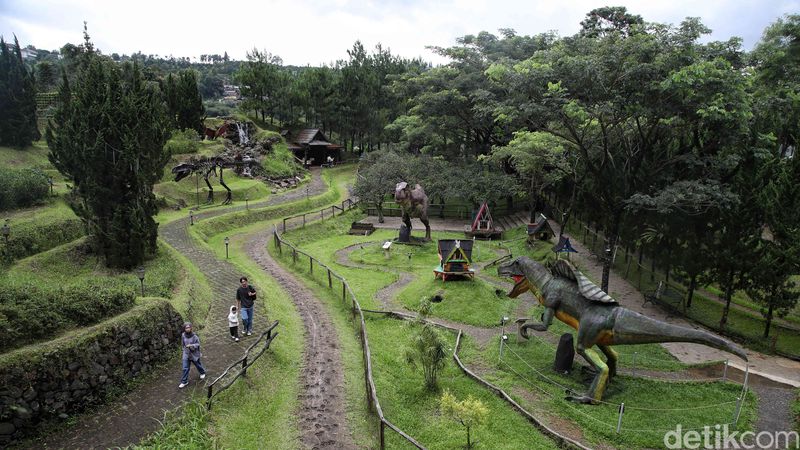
(186, 428)
(30, 312)
(469, 413)
(427, 349)
(21, 188)
(182, 142)
(34, 237)
(280, 162)
(107, 139)
(184, 103)
(17, 98)
(796, 410)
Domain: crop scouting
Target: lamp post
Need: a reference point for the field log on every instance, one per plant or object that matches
(191, 217)
(50, 182)
(246, 202)
(6, 230)
(306, 193)
(197, 188)
(140, 273)
(227, 241)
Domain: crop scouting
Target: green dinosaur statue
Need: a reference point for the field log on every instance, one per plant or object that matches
(573, 299)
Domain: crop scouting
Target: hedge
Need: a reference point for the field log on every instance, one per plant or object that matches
(32, 238)
(22, 187)
(29, 312)
(182, 142)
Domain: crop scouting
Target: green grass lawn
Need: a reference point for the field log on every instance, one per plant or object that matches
(34, 157)
(651, 407)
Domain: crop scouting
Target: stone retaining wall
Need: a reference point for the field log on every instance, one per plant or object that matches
(50, 381)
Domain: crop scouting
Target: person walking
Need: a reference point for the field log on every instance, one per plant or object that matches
(233, 323)
(191, 353)
(245, 300)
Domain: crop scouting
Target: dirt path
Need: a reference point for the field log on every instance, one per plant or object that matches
(322, 415)
(134, 415)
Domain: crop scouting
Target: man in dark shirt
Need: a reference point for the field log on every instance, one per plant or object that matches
(245, 298)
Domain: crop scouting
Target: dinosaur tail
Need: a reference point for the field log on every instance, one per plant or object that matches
(633, 328)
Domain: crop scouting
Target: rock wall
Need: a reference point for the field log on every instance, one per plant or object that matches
(53, 380)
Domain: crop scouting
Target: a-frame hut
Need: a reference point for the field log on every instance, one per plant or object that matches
(455, 257)
(564, 246)
(312, 146)
(540, 230)
(483, 225)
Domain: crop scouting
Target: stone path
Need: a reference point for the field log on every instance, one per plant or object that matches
(136, 414)
(322, 414)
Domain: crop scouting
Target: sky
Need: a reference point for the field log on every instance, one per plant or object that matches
(315, 32)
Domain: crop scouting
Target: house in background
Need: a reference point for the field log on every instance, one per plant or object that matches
(312, 146)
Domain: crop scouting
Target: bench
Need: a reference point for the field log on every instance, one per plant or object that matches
(666, 296)
(361, 229)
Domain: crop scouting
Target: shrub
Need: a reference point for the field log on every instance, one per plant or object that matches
(186, 141)
(22, 187)
(469, 413)
(29, 312)
(32, 238)
(427, 348)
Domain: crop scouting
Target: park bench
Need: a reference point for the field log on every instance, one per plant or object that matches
(666, 296)
(361, 229)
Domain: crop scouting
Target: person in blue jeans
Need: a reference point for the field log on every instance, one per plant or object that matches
(245, 299)
(191, 354)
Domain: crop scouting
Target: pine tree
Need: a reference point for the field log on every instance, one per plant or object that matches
(107, 139)
(184, 102)
(17, 99)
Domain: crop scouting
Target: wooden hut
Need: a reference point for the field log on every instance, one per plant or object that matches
(311, 146)
(540, 230)
(455, 257)
(483, 225)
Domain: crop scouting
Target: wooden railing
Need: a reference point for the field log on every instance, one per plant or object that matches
(242, 364)
(347, 205)
(347, 292)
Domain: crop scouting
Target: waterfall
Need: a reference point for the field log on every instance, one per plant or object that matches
(243, 138)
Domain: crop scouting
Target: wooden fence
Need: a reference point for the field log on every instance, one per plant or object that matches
(358, 313)
(242, 364)
(347, 205)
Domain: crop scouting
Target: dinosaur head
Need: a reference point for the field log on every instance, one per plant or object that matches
(182, 171)
(513, 269)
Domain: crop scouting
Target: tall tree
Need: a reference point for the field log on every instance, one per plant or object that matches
(107, 139)
(17, 99)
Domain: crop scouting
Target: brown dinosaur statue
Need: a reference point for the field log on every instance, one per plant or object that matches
(414, 203)
(599, 320)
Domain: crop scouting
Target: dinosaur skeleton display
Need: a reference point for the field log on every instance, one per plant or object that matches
(242, 164)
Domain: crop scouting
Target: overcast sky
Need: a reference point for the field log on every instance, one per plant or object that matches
(316, 31)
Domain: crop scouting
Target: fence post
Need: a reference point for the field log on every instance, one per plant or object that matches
(294, 256)
(383, 442)
(725, 371)
(311, 265)
(333, 211)
(244, 366)
(284, 224)
(304, 220)
(621, 411)
(208, 399)
(330, 281)
(322, 214)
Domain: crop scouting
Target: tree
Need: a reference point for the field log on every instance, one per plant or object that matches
(190, 112)
(469, 413)
(377, 176)
(17, 99)
(107, 139)
(427, 348)
(258, 78)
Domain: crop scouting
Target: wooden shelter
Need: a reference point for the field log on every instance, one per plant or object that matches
(540, 230)
(455, 257)
(564, 246)
(311, 146)
(483, 226)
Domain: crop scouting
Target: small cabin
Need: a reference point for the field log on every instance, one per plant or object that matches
(540, 230)
(455, 258)
(312, 147)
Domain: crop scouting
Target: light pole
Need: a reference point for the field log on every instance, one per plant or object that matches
(306, 193)
(140, 273)
(246, 200)
(50, 182)
(227, 241)
(197, 188)
(191, 217)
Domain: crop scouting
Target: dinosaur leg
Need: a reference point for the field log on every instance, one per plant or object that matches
(229, 196)
(595, 393)
(611, 359)
(210, 198)
(424, 220)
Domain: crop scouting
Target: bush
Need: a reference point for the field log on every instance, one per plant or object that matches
(29, 312)
(22, 187)
(181, 142)
(32, 238)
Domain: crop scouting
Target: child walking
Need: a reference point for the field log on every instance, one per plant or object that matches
(233, 323)
(191, 353)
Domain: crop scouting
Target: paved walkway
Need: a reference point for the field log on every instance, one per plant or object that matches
(136, 414)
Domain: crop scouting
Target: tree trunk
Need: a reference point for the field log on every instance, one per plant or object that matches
(379, 205)
(469, 443)
(690, 293)
(610, 241)
(769, 321)
(728, 295)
